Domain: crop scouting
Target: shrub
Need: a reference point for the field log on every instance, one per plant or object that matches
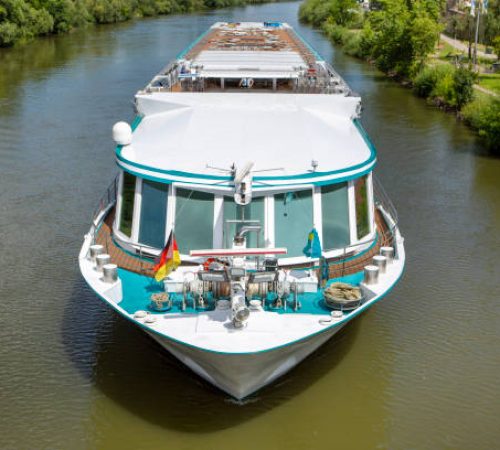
(352, 44)
(425, 81)
(9, 33)
(483, 114)
(445, 83)
(444, 90)
(336, 33)
(463, 80)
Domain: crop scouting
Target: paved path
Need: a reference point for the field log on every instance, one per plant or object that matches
(486, 91)
(463, 47)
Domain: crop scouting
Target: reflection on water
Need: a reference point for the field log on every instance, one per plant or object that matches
(418, 371)
(132, 370)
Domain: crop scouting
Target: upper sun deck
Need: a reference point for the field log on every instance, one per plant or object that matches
(240, 94)
(293, 138)
(250, 57)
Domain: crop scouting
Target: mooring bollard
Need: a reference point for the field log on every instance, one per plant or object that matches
(388, 252)
(110, 273)
(371, 275)
(101, 260)
(96, 249)
(381, 262)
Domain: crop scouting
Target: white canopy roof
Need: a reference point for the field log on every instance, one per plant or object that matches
(284, 63)
(188, 131)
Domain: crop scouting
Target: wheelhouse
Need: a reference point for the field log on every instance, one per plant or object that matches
(202, 218)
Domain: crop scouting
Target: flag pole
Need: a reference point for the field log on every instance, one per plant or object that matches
(478, 13)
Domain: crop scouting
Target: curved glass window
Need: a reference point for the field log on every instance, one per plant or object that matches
(249, 215)
(362, 213)
(293, 220)
(194, 220)
(335, 212)
(153, 213)
(127, 207)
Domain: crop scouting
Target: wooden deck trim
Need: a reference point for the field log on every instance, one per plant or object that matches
(337, 266)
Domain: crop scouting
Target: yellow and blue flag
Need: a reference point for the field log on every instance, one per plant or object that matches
(313, 246)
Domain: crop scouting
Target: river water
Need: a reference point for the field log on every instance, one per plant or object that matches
(419, 371)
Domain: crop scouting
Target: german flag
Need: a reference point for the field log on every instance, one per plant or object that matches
(169, 259)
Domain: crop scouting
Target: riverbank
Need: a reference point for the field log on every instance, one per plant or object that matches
(402, 40)
(23, 20)
(420, 371)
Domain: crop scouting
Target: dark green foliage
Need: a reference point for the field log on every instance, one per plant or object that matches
(338, 12)
(447, 85)
(426, 80)
(463, 80)
(483, 114)
(21, 20)
(396, 34)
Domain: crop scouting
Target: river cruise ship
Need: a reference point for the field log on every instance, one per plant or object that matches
(245, 227)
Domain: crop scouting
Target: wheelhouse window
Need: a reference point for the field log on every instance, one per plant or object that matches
(194, 220)
(127, 204)
(335, 216)
(293, 220)
(252, 214)
(153, 213)
(362, 206)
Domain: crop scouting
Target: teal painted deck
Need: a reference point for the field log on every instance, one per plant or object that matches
(137, 291)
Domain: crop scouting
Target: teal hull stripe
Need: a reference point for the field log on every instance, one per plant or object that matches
(346, 319)
(257, 187)
(309, 46)
(136, 122)
(184, 52)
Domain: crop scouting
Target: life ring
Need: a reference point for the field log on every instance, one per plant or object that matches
(206, 264)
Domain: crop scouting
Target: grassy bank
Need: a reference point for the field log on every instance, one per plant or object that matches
(22, 20)
(401, 38)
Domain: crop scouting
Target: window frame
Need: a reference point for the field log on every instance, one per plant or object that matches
(269, 225)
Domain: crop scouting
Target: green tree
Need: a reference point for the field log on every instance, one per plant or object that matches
(496, 46)
(424, 33)
(463, 80)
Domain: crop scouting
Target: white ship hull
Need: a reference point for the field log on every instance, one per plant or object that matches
(242, 374)
(232, 312)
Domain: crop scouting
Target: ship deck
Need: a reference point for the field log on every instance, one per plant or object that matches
(138, 284)
(270, 56)
(346, 265)
(232, 38)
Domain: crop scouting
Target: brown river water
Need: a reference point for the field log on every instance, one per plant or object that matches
(418, 371)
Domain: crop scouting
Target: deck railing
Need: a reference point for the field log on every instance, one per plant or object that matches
(383, 200)
(104, 204)
(342, 264)
(346, 261)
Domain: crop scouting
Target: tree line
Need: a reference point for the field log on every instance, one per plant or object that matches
(398, 36)
(22, 20)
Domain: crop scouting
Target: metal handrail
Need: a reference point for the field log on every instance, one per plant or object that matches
(381, 198)
(107, 199)
(105, 202)
(382, 202)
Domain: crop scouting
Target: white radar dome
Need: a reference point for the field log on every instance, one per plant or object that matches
(122, 133)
